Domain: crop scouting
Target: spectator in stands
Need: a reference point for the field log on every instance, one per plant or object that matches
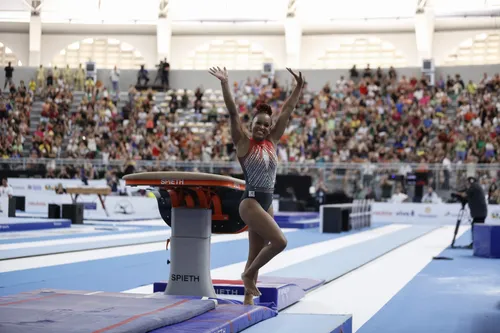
(68, 77)
(50, 78)
(142, 75)
(6, 190)
(80, 78)
(40, 77)
(493, 193)
(399, 196)
(115, 80)
(431, 196)
(9, 70)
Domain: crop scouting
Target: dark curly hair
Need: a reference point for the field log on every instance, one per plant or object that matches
(263, 108)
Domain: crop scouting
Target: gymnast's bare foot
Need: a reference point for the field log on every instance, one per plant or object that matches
(248, 300)
(250, 287)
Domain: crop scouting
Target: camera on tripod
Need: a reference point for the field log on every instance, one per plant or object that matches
(459, 198)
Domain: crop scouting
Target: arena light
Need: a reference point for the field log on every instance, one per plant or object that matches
(467, 43)
(74, 46)
(482, 36)
(126, 47)
(8, 50)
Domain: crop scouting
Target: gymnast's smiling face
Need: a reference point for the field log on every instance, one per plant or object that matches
(261, 126)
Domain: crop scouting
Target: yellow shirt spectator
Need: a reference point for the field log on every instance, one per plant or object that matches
(471, 88)
(32, 85)
(355, 123)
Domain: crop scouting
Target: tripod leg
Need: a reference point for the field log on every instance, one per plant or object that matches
(459, 219)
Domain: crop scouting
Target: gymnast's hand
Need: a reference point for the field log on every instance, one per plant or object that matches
(298, 78)
(219, 73)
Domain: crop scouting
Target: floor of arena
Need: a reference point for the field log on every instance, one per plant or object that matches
(384, 276)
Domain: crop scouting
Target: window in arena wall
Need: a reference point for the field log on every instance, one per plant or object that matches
(483, 49)
(106, 52)
(233, 54)
(360, 52)
(6, 56)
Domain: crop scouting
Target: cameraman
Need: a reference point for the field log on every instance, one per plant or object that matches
(477, 203)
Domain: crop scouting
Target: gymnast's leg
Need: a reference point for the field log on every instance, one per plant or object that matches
(255, 243)
(260, 222)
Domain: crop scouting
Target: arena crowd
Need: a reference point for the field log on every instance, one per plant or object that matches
(367, 116)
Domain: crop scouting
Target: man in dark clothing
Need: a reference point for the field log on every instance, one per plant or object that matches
(8, 76)
(476, 199)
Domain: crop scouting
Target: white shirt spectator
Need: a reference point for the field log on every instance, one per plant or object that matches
(431, 197)
(398, 197)
(476, 122)
(115, 75)
(447, 164)
(6, 191)
(418, 94)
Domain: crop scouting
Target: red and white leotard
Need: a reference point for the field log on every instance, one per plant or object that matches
(259, 166)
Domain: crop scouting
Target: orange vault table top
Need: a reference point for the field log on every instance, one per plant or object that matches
(170, 179)
(220, 194)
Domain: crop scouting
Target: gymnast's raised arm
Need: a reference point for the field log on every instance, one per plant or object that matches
(286, 112)
(236, 129)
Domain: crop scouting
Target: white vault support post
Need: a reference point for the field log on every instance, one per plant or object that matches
(293, 36)
(190, 253)
(163, 32)
(35, 34)
(424, 33)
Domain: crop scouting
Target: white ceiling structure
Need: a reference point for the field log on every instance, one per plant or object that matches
(315, 15)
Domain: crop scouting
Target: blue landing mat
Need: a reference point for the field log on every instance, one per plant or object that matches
(301, 224)
(56, 312)
(295, 216)
(448, 296)
(276, 293)
(224, 318)
(24, 224)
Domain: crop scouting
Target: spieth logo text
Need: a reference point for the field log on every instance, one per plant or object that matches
(172, 182)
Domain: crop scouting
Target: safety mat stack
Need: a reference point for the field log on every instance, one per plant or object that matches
(51, 311)
(63, 311)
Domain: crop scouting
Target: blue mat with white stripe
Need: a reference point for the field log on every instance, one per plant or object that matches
(8, 224)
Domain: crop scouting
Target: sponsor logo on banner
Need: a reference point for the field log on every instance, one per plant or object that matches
(405, 213)
(382, 213)
(428, 213)
(36, 203)
(495, 215)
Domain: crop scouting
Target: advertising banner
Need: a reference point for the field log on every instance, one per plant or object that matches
(426, 213)
(122, 206)
(43, 185)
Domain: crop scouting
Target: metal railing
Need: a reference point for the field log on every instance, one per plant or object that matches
(442, 177)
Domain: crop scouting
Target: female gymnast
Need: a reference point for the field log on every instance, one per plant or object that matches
(256, 153)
